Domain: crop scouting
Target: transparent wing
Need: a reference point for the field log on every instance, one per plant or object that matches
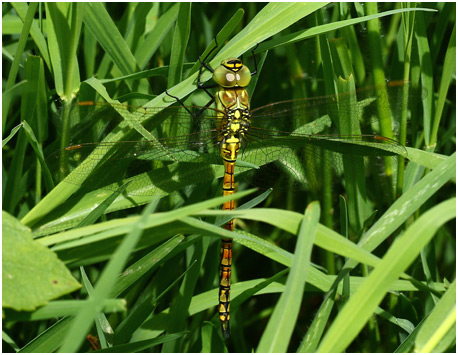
(180, 142)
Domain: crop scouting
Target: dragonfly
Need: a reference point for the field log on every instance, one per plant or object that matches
(166, 149)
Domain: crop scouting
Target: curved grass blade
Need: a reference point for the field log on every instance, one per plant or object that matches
(277, 335)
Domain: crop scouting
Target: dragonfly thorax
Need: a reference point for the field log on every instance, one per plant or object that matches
(237, 123)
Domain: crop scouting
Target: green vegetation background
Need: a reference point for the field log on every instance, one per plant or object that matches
(149, 279)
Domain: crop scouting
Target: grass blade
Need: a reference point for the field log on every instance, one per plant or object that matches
(278, 332)
(361, 306)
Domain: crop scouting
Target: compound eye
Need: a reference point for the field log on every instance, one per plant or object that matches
(243, 77)
(224, 77)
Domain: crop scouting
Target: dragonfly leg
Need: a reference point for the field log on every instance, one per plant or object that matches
(179, 101)
(255, 62)
(198, 113)
(206, 106)
(203, 64)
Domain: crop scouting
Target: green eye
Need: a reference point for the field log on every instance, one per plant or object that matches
(227, 78)
(243, 77)
(224, 77)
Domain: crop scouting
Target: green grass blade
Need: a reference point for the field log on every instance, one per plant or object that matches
(447, 74)
(62, 308)
(277, 335)
(134, 320)
(363, 303)
(322, 29)
(17, 59)
(107, 279)
(33, 141)
(104, 329)
(441, 319)
(12, 134)
(35, 32)
(427, 80)
(140, 346)
(10, 342)
(222, 35)
(355, 183)
(424, 158)
(406, 205)
(145, 265)
(107, 34)
(273, 18)
(100, 209)
(21, 45)
(313, 336)
(179, 44)
(289, 221)
(64, 29)
(49, 340)
(152, 41)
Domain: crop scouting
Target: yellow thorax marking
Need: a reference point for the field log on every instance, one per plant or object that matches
(235, 127)
(232, 139)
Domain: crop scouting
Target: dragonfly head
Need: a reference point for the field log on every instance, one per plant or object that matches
(232, 73)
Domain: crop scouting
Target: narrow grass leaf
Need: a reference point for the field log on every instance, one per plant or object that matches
(427, 80)
(273, 18)
(64, 20)
(407, 204)
(14, 92)
(49, 340)
(441, 319)
(246, 295)
(362, 304)
(107, 34)
(140, 346)
(124, 225)
(104, 329)
(100, 209)
(9, 341)
(445, 81)
(150, 73)
(145, 265)
(33, 141)
(313, 336)
(28, 20)
(289, 221)
(104, 285)
(142, 311)
(35, 32)
(222, 35)
(277, 335)
(12, 134)
(63, 308)
(355, 183)
(179, 44)
(154, 38)
(424, 158)
(322, 29)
